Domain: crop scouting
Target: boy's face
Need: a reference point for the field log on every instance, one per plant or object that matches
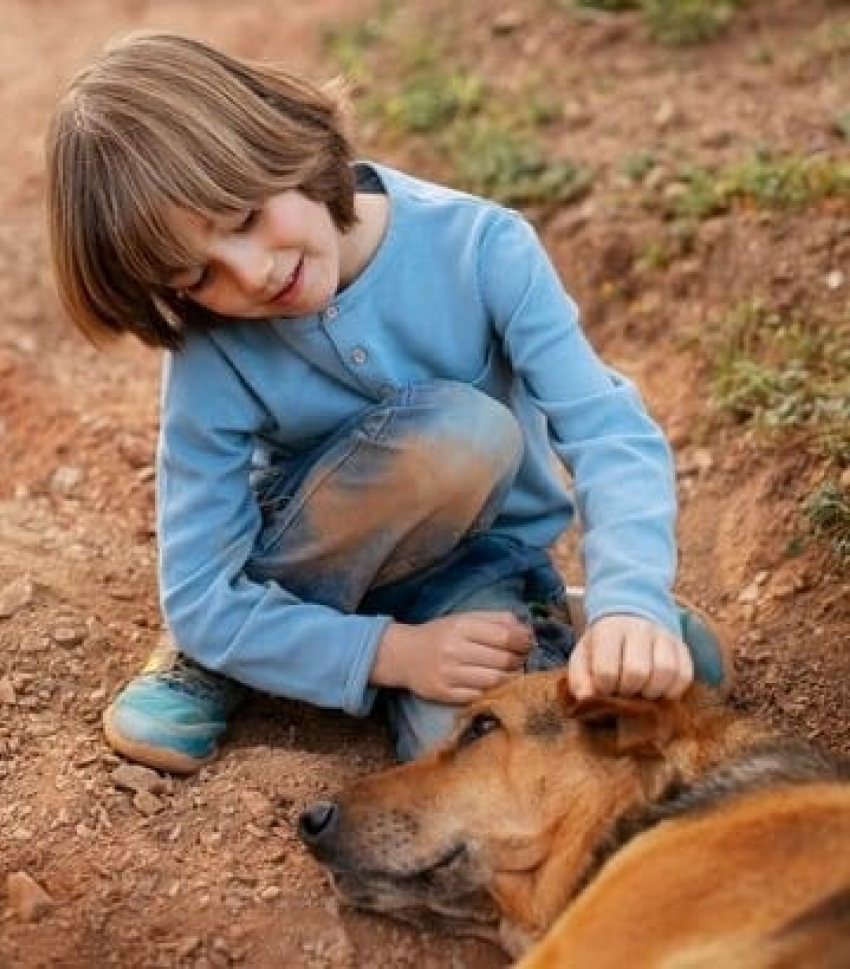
(281, 258)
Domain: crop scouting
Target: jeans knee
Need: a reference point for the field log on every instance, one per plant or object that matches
(468, 436)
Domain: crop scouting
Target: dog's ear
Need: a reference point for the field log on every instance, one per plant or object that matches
(623, 725)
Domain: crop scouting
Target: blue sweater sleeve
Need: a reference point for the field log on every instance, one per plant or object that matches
(618, 458)
(208, 520)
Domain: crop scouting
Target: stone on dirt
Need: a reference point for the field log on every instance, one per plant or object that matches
(27, 899)
(15, 596)
(7, 692)
(132, 777)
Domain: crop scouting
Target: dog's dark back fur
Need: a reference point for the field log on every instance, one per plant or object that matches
(761, 767)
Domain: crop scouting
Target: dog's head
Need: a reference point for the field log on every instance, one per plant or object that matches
(517, 796)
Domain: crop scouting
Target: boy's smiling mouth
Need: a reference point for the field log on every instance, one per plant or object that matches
(290, 284)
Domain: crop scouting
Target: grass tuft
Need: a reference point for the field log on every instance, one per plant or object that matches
(675, 23)
(498, 160)
(492, 144)
(679, 23)
(778, 371)
(766, 179)
(788, 375)
(828, 512)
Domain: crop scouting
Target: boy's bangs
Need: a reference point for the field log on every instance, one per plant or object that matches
(153, 252)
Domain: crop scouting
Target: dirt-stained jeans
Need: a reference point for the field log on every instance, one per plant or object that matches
(388, 496)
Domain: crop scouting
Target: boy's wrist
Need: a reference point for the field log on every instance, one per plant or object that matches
(389, 666)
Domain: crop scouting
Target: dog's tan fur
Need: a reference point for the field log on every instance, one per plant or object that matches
(669, 834)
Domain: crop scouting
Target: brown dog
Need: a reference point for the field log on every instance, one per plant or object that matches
(669, 834)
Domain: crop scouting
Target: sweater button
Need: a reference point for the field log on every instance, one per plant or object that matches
(359, 356)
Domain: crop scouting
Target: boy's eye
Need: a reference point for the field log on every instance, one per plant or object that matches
(248, 220)
(200, 282)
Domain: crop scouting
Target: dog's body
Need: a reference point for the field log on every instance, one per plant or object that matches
(669, 834)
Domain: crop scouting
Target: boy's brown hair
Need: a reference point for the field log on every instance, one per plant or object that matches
(160, 120)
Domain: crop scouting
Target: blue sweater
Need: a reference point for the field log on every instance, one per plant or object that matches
(459, 289)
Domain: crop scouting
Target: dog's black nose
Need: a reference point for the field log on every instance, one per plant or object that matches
(317, 822)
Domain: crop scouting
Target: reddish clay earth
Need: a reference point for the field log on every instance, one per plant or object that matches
(161, 872)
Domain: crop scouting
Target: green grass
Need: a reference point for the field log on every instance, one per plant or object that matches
(428, 100)
(828, 512)
(609, 5)
(681, 22)
(351, 44)
(787, 374)
(765, 180)
(499, 160)
(842, 124)
(675, 23)
(780, 371)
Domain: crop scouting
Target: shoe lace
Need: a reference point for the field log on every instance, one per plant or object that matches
(187, 677)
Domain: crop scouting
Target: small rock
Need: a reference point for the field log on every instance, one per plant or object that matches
(27, 899)
(257, 804)
(188, 946)
(835, 279)
(67, 636)
(750, 594)
(65, 480)
(146, 803)
(699, 462)
(135, 452)
(15, 596)
(132, 777)
(7, 692)
(665, 113)
(507, 22)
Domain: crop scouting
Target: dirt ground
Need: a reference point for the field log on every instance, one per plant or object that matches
(207, 871)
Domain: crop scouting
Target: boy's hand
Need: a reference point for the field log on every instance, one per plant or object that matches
(630, 656)
(454, 658)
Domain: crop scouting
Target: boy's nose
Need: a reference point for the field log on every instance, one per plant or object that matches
(251, 268)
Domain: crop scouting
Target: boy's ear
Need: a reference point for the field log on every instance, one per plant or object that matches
(614, 726)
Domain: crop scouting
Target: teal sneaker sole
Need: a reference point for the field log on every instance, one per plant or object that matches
(171, 718)
(146, 742)
(154, 753)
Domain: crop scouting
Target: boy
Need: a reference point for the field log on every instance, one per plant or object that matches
(367, 383)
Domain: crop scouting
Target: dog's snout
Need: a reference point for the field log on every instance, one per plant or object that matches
(317, 822)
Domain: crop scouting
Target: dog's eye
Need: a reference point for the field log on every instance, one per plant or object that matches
(480, 725)
(607, 721)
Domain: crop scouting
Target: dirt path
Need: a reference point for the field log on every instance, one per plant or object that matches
(206, 871)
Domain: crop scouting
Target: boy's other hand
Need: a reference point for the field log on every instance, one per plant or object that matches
(629, 656)
(452, 659)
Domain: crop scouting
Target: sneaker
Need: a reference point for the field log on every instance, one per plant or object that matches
(708, 645)
(171, 715)
(710, 648)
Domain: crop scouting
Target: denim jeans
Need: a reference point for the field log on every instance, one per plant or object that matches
(392, 515)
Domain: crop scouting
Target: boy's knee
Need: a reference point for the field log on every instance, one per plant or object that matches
(466, 436)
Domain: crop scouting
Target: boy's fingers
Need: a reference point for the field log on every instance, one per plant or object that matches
(637, 671)
(605, 658)
(500, 630)
(482, 678)
(482, 657)
(685, 675)
(578, 671)
(672, 669)
(665, 669)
